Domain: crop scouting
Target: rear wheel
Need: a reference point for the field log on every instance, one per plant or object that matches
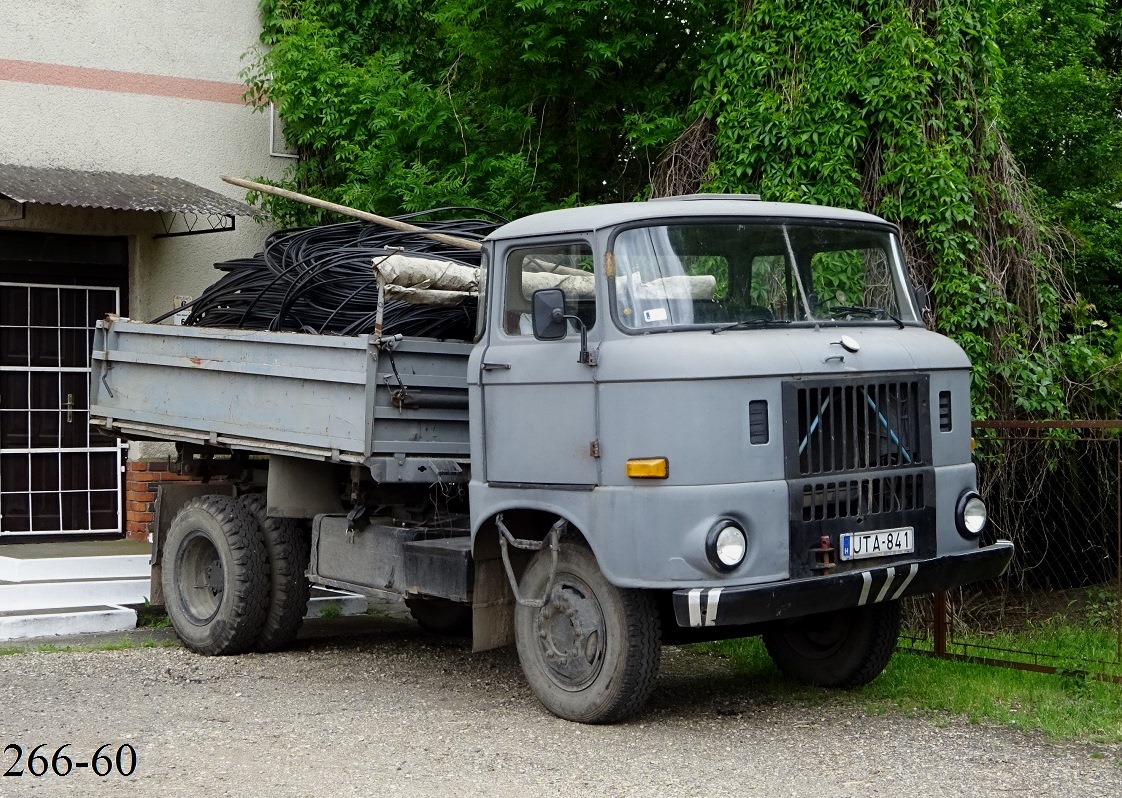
(287, 547)
(215, 576)
(843, 648)
(592, 652)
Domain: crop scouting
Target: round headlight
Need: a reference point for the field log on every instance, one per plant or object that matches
(726, 545)
(971, 515)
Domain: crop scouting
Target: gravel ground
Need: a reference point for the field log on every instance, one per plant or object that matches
(395, 709)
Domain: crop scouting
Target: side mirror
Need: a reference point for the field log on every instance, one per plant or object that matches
(549, 314)
(923, 299)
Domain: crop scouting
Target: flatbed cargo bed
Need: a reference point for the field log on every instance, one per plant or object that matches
(323, 397)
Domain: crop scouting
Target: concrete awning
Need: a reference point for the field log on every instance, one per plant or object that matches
(116, 191)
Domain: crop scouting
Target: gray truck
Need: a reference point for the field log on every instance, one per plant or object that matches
(719, 417)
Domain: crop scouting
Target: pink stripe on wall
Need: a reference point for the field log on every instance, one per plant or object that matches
(128, 82)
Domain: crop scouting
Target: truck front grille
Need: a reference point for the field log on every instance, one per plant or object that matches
(854, 425)
(857, 456)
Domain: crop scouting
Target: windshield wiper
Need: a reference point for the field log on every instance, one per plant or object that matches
(744, 323)
(858, 310)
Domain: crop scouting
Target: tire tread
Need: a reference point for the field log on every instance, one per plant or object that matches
(287, 550)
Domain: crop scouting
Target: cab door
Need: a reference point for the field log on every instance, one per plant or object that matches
(539, 402)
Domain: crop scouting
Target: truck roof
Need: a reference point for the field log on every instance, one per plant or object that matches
(595, 217)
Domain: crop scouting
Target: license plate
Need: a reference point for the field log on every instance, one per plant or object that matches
(883, 543)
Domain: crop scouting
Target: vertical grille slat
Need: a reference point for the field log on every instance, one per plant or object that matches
(854, 461)
(820, 436)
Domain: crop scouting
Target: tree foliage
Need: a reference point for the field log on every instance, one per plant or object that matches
(1061, 91)
(893, 106)
(518, 105)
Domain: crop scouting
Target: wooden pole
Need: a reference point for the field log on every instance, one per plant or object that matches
(385, 221)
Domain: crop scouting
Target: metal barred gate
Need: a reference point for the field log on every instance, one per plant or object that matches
(57, 476)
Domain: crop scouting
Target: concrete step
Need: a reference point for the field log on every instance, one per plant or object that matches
(60, 594)
(107, 559)
(26, 624)
(32, 623)
(57, 594)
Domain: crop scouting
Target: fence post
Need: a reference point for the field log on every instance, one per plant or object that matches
(1118, 545)
(939, 605)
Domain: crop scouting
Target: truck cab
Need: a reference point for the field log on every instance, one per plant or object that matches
(734, 406)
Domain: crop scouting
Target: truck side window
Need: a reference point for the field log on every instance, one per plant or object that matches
(565, 266)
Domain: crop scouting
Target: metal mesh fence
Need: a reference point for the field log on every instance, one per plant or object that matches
(1055, 490)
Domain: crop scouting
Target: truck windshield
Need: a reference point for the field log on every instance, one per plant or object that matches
(727, 275)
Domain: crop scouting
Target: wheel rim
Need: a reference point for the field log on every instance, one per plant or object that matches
(820, 637)
(202, 578)
(570, 634)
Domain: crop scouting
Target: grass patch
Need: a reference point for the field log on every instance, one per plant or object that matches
(1072, 650)
(151, 617)
(1066, 707)
(109, 645)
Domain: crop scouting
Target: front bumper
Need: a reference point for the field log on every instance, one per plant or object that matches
(737, 606)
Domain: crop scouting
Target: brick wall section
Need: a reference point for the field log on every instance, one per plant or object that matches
(142, 477)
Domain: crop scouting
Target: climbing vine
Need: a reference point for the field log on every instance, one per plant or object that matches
(894, 107)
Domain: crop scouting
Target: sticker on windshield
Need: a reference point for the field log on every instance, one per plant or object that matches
(654, 314)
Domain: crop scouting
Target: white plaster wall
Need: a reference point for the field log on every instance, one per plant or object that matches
(201, 39)
(86, 129)
(93, 129)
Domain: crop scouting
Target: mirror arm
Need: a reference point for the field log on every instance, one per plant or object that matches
(584, 357)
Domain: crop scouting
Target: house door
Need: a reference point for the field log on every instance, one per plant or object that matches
(57, 475)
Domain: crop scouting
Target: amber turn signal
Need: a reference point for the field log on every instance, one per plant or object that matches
(648, 468)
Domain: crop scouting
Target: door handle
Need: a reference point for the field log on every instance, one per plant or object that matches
(495, 366)
(69, 407)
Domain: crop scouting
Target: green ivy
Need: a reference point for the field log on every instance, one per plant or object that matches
(894, 107)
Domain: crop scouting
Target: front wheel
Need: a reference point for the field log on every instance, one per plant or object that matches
(842, 648)
(592, 652)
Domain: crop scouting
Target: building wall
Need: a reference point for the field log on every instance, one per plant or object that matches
(143, 88)
(138, 87)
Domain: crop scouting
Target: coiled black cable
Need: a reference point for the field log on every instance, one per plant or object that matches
(321, 279)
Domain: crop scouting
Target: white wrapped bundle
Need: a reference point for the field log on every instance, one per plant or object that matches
(426, 296)
(576, 286)
(441, 282)
(413, 272)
